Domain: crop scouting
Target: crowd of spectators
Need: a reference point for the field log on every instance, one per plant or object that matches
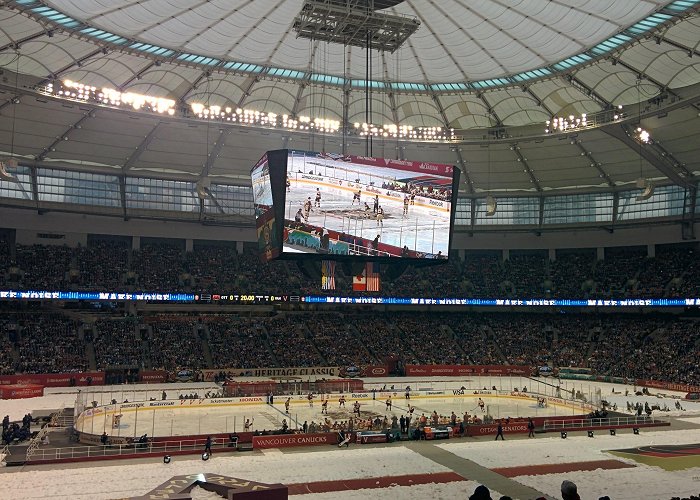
(110, 265)
(174, 344)
(237, 343)
(335, 339)
(50, 344)
(93, 274)
(117, 343)
(291, 342)
(648, 346)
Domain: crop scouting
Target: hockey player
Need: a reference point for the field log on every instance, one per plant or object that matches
(367, 211)
(356, 408)
(310, 397)
(289, 185)
(341, 401)
(248, 425)
(324, 407)
(405, 205)
(307, 209)
(299, 215)
(317, 201)
(380, 216)
(376, 203)
(388, 403)
(286, 405)
(356, 196)
(482, 405)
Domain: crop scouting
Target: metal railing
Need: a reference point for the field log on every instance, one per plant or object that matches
(552, 425)
(164, 447)
(4, 453)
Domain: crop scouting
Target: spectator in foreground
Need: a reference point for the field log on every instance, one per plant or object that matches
(569, 491)
(481, 493)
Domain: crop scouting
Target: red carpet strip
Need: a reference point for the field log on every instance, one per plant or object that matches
(539, 470)
(373, 482)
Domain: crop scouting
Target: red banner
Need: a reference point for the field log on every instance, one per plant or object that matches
(668, 386)
(55, 379)
(21, 391)
(427, 168)
(461, 370)
(289, 440)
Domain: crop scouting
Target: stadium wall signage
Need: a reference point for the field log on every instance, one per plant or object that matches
(669, 386)
(252, 298)
(55, 379)
(459, 370)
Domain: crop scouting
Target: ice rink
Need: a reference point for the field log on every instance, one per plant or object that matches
(422, 229)
(191, 420)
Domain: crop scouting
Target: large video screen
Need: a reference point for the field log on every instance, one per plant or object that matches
(263, 204)
(369, 207)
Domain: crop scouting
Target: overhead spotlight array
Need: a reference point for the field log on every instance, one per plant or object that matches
(404, 132)
(560, 124)
(642, 135)
(68, 89)
(111, 97)
(262, 119)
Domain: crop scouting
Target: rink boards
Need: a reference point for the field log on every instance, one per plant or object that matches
(191, 416)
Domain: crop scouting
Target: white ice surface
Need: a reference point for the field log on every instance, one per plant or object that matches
(423, 229)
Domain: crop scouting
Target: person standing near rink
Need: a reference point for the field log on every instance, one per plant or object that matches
(207, 446)
(530, 428)
(307, 209)
(499, 431)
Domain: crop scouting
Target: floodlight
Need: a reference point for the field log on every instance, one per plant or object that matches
(491, 206)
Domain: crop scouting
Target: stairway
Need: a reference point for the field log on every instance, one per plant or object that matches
(207, 353)
(90, 355)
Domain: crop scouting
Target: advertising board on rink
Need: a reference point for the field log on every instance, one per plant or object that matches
(289, 440)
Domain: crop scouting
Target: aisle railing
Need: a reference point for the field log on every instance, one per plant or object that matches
(164, 447)
(554, 425)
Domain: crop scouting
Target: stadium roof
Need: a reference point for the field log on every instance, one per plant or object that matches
(504, 66)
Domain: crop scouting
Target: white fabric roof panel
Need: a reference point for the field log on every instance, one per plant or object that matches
(499, 39)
